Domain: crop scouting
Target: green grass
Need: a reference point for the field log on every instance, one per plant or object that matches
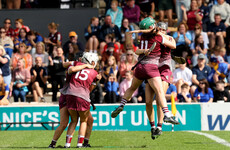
(26, 140)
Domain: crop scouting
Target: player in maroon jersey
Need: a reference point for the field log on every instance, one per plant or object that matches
(165, 72)
(64, 115)
(78, 93)
(148, 68)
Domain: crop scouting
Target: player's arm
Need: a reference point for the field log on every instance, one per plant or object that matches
(141, 31)
(67, 64)
(141, 51)
(79, 67)
(168, 41)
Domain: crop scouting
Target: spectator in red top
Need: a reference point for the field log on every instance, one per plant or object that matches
(54, 37)
(193, 16)
(19, 25)
(108, 39)
(9, 30)
(109, 52)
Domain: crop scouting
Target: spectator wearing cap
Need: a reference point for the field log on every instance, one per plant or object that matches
(200, 71)
(182, 75)
(198, 47)
(109, 28)
(92, 34)
(54, 38)
(109, 52)
(216, 32)
(73, 39)
(109, 38)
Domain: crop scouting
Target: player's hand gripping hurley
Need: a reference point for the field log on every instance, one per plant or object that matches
(150, 50)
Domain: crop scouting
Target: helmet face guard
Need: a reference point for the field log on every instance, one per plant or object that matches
(162, 25)
(89, 57)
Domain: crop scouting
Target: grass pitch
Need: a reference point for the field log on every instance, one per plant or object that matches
(115, 140)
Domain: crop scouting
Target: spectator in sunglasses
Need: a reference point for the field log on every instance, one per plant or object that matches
(203, 93)
(9, 31)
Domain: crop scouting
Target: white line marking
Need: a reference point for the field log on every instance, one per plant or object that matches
(213, 137)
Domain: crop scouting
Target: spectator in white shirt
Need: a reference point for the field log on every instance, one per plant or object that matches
(182, 75)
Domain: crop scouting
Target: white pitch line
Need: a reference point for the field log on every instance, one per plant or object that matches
(213, 137)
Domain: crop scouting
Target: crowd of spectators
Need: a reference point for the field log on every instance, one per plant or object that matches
(29, 61)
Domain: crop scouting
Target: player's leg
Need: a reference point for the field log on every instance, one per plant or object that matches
(149, 94)
(127, 96)
(88, 130)
(160, 114)
(74, 119)
(83, 126)
(64, 119)
(156, 85)
(71, 130)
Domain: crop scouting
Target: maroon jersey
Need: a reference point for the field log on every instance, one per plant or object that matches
(55, 37)
(10, 32)
(165, 58)
(68, 77)
(80, 83)
(154, 56)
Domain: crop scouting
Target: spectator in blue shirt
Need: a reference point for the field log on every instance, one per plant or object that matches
(184, 96)
(200, 71)
(4, 92)
(92, 35)
(219, 70)
(203, 93)
(116, 13)
(33, 38)
(183, 40)
(22, 38)
(171, 91)
(217, 32)
(111, 88)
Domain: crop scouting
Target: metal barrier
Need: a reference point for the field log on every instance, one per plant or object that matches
(14, 123)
